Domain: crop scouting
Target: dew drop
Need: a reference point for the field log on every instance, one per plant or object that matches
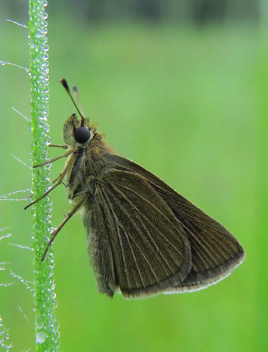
(39, 323)
(41, 337)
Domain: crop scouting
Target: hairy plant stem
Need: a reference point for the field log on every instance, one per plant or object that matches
(46, 326)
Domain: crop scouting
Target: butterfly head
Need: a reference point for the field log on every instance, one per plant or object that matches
(75, 132)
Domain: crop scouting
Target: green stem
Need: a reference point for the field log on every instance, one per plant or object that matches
(46, 326)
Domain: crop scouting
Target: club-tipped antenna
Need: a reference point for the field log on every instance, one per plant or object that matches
(65, 85)
(75, 90)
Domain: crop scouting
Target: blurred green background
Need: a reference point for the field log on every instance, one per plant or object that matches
(183, 92)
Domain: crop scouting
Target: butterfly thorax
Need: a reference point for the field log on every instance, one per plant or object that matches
(88, 165)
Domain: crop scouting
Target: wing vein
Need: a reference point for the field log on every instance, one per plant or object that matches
(143, 215)
(117, 221)
(140, 216)
(144, 241)
(120, 242)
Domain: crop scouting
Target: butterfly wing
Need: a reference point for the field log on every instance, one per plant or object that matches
(134, 240)
(215, 252)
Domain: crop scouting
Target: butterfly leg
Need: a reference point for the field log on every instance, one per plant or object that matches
(68, 217)
(58, 146)
(72, 151)
(59, 179)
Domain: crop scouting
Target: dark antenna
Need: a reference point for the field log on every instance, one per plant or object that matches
(65, 85)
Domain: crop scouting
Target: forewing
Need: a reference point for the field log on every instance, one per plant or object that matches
(150, 249)
(215, 251)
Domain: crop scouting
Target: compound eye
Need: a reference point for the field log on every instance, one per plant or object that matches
(82, 135)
